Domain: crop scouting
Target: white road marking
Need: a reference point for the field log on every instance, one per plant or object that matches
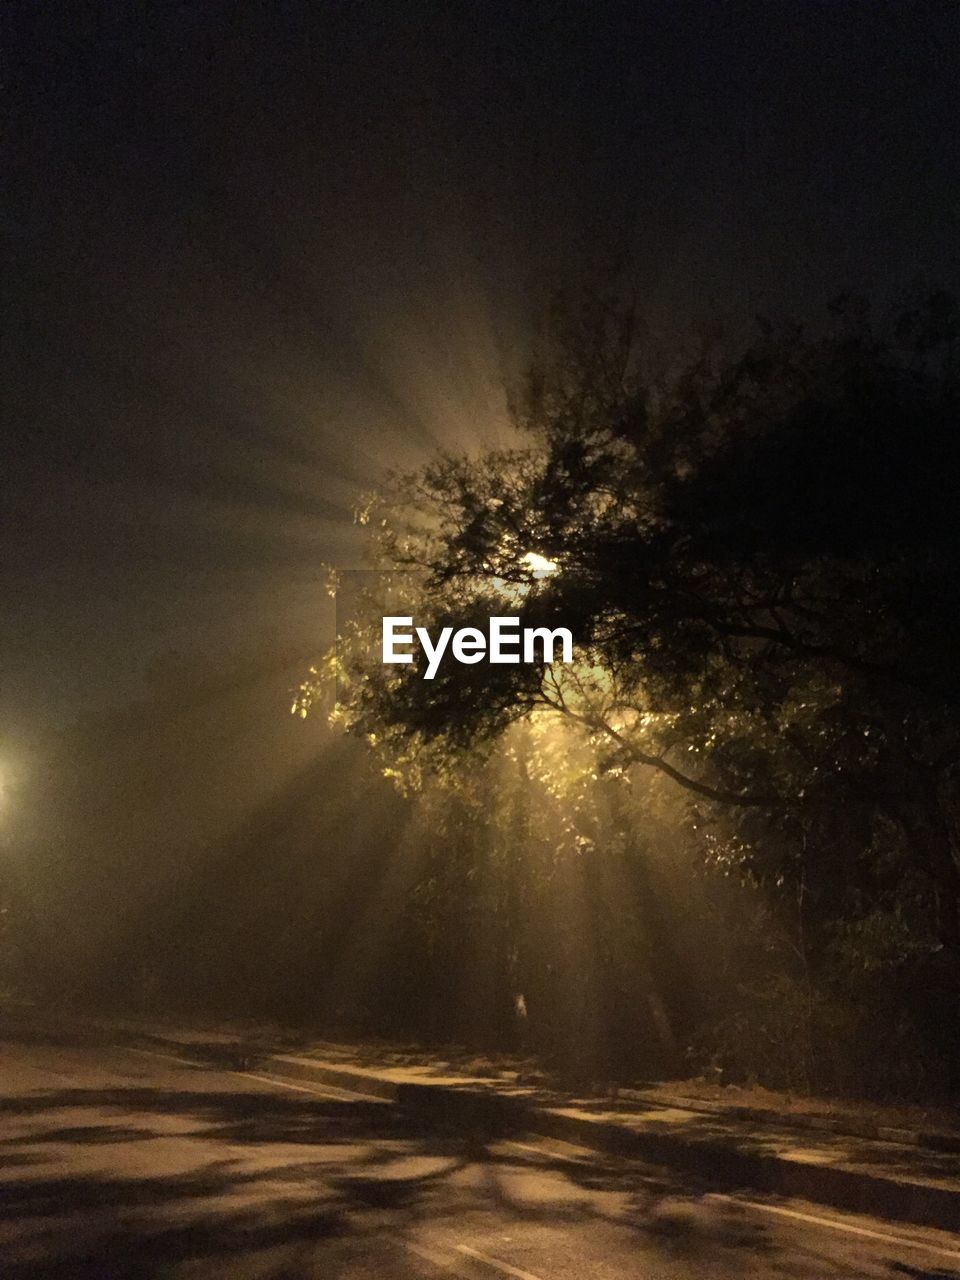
(153, 1053)
(503, 1267)
(549, 1151)
(329, 1091)
(887, 1237)
(445, 1263)
(435, 1259)
(835, 1224)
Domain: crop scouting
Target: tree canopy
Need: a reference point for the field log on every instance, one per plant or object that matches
(756, 553)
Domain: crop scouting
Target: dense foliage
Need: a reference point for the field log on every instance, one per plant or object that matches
(724, 839)
(758, 557)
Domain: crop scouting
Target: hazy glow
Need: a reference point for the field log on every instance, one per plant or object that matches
(541, 566)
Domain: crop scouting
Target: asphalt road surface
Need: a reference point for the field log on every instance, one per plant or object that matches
(117, 1164)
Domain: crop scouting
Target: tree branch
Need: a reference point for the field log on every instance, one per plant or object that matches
(719, 795)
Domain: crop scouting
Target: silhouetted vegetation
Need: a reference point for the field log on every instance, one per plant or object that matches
(758, 557)
(724, 839)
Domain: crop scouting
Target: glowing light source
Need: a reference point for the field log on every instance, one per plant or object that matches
(541, 566)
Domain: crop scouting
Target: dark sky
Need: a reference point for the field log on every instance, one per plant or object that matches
(255, 254)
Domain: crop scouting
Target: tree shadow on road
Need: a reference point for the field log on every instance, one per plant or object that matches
(275, 1182)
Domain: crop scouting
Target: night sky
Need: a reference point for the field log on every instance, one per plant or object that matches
(254, 255)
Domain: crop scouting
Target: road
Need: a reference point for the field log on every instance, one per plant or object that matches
(118, 1164)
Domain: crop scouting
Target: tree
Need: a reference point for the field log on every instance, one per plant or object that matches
(757, 556)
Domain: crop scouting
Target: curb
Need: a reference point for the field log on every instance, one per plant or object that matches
(932, 1139)
(841, 1187)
